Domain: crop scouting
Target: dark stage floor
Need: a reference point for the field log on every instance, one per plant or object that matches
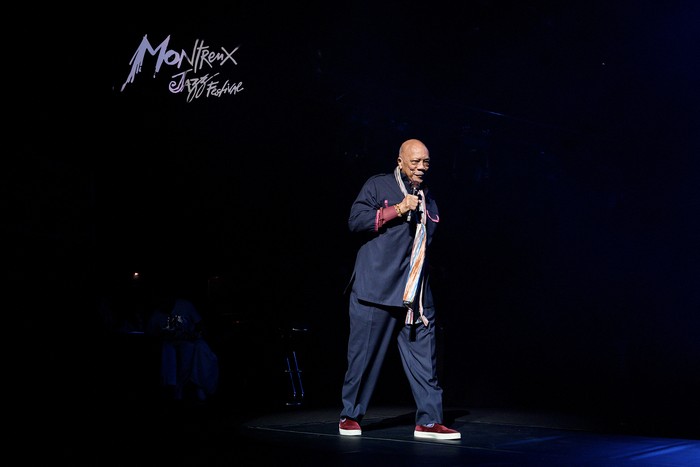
(231, 433)
(112, 414)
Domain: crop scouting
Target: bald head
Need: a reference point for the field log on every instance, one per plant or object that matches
(414, 160)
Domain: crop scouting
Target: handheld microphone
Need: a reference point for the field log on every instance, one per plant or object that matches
(414, 191)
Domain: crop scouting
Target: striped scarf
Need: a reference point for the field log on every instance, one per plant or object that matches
(415, 276)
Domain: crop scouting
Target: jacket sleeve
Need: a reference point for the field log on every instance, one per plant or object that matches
(369, 212)
(364, 210)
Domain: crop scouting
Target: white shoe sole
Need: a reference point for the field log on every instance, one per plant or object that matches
(424, 435)
(350, 432)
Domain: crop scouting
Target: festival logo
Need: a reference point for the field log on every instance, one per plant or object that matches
(198, 74)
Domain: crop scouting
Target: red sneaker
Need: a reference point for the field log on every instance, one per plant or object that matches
(348, 427)
(436, 431)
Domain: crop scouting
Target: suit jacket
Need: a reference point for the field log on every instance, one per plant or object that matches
(382, 262)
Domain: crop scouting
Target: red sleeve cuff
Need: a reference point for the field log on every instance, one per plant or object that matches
(383, 216)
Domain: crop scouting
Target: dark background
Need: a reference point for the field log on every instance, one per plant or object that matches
(564, 141)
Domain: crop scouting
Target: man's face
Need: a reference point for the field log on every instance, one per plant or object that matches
(415, 162)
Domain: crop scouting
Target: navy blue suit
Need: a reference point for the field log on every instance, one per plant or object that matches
(376, 306)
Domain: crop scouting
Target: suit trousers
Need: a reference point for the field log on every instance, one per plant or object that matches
(372, 328)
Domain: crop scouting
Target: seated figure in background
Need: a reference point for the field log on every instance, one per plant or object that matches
(187, 361)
